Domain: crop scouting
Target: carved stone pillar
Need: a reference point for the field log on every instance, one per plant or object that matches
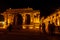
(32, 18)
(24, 17)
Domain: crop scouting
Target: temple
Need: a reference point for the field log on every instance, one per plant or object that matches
(27, 18)
(21, 16)
(53, 18)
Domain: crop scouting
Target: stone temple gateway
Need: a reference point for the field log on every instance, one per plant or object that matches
(22, 16)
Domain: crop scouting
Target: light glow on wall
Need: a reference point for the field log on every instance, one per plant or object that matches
(23, 27)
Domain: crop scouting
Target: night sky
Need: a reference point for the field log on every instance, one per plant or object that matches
(45, 7)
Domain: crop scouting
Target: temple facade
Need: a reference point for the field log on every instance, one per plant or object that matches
(22, 16)
(28, 18)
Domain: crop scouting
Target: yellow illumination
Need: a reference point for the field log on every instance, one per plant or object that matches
(30, 27)
(8, 20)
(2, 22)
(58, 23)
(36, 20)
(24, 27)
(37, 27)
(4, 26)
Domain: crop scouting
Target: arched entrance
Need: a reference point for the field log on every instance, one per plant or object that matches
(27, 19)
(19, 19)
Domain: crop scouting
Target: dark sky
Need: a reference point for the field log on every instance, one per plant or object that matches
(45, 6)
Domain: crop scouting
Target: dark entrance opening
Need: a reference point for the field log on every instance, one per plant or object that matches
(1, 18)
(19, 19)
(28, 19)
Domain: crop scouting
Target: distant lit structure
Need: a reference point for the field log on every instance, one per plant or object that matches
(28, 19)
(53, 18)
(22, 16)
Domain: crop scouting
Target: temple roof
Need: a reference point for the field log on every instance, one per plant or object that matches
(21, 10)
